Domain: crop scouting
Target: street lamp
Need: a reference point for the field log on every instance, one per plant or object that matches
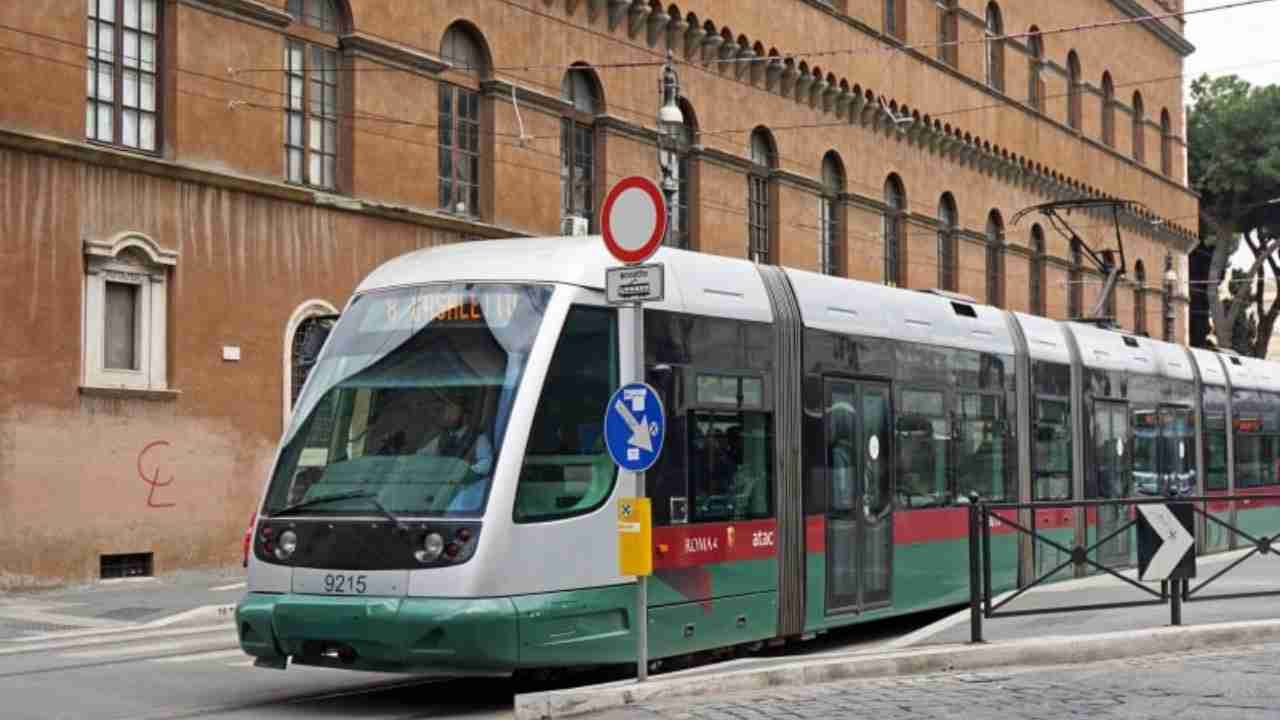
(670, 125)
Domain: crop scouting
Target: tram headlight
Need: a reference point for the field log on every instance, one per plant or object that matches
(432, 548)
(286, 544)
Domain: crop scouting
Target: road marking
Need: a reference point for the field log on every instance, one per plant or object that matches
(118, 637)
(232, 586)
(149, 648)
(200, 657)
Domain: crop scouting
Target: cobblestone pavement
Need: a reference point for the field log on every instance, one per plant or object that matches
(1241, 684)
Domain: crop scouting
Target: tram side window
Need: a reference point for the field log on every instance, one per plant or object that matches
(566, 469)
(922, 450)
(982, 461)
(1215, 451)
(1248, 453)
(1051, 461)
(730, 465)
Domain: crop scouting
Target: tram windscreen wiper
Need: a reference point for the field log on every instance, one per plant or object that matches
(372, 497)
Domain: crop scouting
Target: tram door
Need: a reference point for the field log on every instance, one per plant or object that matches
(859, 508)
(1111, 479)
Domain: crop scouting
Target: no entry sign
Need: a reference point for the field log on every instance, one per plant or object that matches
(633, 219)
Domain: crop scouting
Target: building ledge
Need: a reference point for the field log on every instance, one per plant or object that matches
(127, 393)
(175, 170)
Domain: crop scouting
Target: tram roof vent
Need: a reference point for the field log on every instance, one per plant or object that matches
(963, 309)
(958, 297)
(1234, 360)
(1131, 342)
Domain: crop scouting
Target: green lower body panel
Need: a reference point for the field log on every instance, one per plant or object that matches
(381, 634)
(562, 629)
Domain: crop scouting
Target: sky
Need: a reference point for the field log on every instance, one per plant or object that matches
(1238, 41)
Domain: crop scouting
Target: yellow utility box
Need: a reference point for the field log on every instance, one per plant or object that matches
(635, 537)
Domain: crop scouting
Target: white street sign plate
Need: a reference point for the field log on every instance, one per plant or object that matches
(1174, 541)
(633, 283)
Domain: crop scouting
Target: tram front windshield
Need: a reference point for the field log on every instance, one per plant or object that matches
(409, 401)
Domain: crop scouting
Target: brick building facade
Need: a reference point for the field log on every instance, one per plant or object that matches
(186, 185)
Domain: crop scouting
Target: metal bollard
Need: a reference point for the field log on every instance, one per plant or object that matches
(975, 580)
(1175, 601)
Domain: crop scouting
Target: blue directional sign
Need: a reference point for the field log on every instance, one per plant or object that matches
(634, 427)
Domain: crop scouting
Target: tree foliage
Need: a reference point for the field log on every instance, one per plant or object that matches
(1233, 155)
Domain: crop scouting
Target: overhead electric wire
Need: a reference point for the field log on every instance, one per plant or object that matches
(525, 139)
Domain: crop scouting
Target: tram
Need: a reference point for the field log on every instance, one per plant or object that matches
(442, 499)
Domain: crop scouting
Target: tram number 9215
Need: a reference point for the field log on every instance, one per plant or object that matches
(342, 584)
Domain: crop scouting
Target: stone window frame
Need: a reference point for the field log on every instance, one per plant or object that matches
(311, 308)
(136, 259)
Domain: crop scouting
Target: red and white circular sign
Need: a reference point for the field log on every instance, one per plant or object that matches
(633, 219)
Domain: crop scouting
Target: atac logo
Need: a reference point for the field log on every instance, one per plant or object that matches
(762, 538)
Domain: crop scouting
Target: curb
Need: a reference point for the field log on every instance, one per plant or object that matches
(1050, 650)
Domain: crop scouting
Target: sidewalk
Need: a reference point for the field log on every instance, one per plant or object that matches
(181, 598)
(943, 647)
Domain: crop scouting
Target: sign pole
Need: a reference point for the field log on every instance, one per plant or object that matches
(642, 582)
(634, 221)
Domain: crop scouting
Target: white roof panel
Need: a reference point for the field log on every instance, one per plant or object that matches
(1046, 339)
(852, 307)
(1107, 350)
(1211, 372)
(695, 282)
(1252, 373)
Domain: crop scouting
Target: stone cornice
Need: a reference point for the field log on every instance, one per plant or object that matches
(502, 90)
(622, 127)
(390, 53)
(1167, 35)
(159, 167)
(252, 10)
(797, 180)
(720, 157)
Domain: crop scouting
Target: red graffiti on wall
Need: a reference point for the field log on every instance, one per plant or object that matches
(154, 480)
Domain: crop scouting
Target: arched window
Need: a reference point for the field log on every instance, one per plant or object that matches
(1166, 143)
(831, 229)
(459, 131)
(1139, 298)
(1035, 89)
(319, 14)
(948, 250)
(581, 90)
(305, 333)
(1075, 285)
(1036, 276)
(1108, 109)
(995, 259)
(895, 201)
(895, 19)
(948, 32)
(994, 31)
(123, 98)
(1139, 128)
(682, 207)
(764, 158)
(311, 106)
(1074, 99)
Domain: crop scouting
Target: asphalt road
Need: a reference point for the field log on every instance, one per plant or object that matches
(187, 672)
(1235, 684)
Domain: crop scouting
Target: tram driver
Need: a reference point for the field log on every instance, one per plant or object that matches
(459, 437)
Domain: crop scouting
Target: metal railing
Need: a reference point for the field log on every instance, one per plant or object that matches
(983, 516)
